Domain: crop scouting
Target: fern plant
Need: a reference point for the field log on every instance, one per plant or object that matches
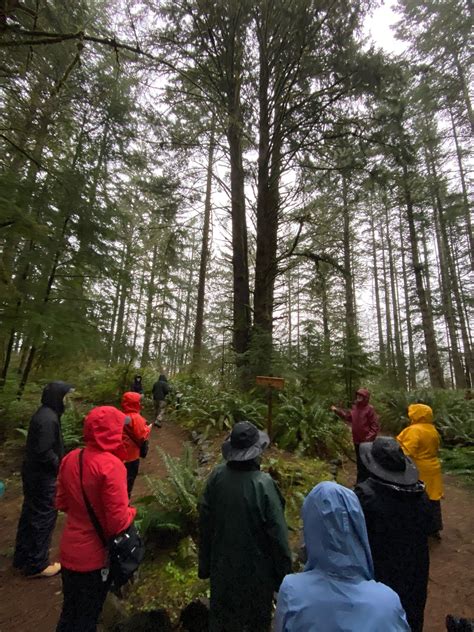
(309, 426)
(173, 504)
(453, 415)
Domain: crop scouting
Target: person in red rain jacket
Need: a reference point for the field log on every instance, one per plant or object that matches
(83, 556)
(365, 426)
(134, 434)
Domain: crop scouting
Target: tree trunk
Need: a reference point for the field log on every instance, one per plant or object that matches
(149, 309)
(199, 326)
(382, 354)
(399, 356)
(412, 382)
(467, 207)
(447, 285)
(268, 178)
(351, 341)
(432, 355)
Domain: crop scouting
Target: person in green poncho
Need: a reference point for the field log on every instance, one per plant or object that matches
(243, 546)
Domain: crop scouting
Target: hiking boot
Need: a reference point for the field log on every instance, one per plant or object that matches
(49, 571)
(157, 424)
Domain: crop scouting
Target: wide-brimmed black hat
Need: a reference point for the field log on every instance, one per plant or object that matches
(385, 458)
(245, 442)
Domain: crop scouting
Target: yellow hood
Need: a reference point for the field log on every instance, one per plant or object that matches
(420, 414)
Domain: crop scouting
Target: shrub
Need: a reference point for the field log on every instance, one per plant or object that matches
(453, 415)
(201, 405)
(173, 504)
(459, 461)
(308, 426)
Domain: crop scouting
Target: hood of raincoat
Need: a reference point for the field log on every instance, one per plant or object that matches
(53, 395)
(162, 378)
(365, 394)
(420, 414)
(131, 402)
(103, 428)
(335, 533)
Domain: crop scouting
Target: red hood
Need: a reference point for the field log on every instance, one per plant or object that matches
(131, 402)
(363, 392)
(103, 428)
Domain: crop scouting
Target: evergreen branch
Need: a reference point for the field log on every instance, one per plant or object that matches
(322, 258)
(46, 37)
(25, 153)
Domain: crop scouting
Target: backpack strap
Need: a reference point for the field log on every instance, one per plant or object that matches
(90, 511)
(139, 445)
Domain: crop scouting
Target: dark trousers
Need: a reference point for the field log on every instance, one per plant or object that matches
(83, 598)
(362, 472)
(37, 521)
(436, 517)
(132, 471)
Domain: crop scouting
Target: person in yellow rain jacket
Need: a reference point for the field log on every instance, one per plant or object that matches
(420, 441)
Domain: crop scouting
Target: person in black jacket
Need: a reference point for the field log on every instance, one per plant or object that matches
(160, 390)
(44, 451)
(137, 385)
(398, 517)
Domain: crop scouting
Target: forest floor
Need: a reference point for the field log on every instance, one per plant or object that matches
(34, 604)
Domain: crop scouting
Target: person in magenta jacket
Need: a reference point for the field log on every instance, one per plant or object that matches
(83, 556)
(134, 434)
(365, 426)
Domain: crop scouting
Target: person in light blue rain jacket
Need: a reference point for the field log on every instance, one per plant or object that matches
(337, 591)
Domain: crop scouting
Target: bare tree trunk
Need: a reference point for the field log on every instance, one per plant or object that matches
(447, 285)
(467, 207)
(125, 286)
(400, 358)
(412, 382)
(269, 145)
(388, 319)
(187, 316)
(149, 309)
(465, 91)
(199, 326)
(382, 354)
(351, 345)
(432, 355)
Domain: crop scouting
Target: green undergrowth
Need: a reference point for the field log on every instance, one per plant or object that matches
(453, 413)
(296, 476)
(459, 461)
(168, 581)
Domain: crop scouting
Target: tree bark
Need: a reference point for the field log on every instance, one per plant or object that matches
(432, 355)
(199, 326)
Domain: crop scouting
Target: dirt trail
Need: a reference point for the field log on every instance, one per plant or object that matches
(28, 605)
(33, 605)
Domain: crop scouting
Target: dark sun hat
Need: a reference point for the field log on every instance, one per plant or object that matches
(384, 458)
(245, 442)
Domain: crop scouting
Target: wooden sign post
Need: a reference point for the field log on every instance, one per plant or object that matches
(271, 383)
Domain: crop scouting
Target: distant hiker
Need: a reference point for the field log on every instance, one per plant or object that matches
(398, 517)
(420, 441)
(137, 385)
(336, 592)
(44, 451)
(84, 557)
(135, 435)
(243, 544)
(365, 425)
(160, 390)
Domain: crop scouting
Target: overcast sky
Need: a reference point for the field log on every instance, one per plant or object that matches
(378, 28)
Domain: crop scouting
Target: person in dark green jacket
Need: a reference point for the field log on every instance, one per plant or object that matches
(243, 546)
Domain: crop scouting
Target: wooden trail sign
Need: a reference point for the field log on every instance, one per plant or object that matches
(271, 383)
(268, 380)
